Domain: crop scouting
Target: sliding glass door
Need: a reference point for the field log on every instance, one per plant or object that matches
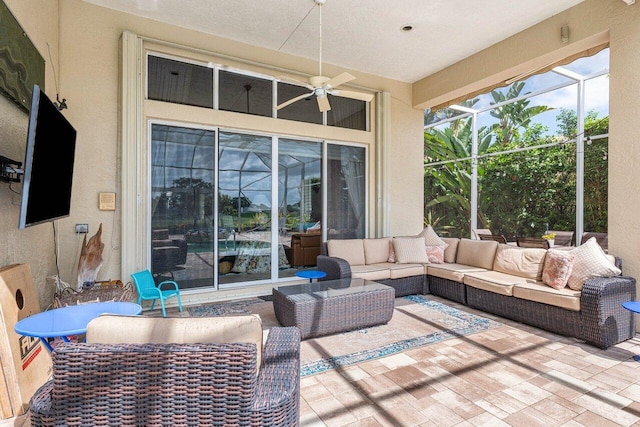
(244, 208)
(299, 203)
(224, 214)
(346, 192)
(182, 196)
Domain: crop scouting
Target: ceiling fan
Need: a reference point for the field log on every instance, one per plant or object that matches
(322, 86)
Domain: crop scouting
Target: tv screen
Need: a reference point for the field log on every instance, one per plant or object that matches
(48, 164)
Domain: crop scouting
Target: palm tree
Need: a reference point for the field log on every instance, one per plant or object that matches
(512, 116)
(448, 186)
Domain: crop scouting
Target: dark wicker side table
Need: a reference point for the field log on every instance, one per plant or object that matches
(332, 306)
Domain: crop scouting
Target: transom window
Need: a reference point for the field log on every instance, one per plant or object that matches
(210, 86)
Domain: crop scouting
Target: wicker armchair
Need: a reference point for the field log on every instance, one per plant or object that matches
(173, 384)
(495, 237)
(532, 242)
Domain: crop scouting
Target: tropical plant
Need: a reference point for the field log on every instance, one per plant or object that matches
(519, 191)
(512, 116)
(448, 185)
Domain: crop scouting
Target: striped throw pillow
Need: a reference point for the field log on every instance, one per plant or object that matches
(410, 250)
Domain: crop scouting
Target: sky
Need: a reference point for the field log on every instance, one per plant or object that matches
(596, 91)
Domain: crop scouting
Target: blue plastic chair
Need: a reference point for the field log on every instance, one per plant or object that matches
(147, 289)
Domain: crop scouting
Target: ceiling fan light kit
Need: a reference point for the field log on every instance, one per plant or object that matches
(320, 85)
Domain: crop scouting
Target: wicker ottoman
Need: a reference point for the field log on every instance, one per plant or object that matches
(332, 306)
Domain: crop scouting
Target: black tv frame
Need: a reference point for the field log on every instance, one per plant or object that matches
(48, 165)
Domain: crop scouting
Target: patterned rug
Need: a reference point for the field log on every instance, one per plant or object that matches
(417, 321)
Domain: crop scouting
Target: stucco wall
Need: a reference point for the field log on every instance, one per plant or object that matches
(88, 71)
(34, 245)
(591, 22)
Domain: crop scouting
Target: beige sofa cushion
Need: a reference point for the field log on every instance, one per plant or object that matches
(494, 281)
(453, 272)
(398, 271)
(477, 253)
(452, 248)
(370, 272)
(376, 250)
(410, 250)
(539, 292)
(118, 329)
(351, 250)
(524, 262)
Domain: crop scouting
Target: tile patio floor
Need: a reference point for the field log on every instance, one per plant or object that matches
(514, 375)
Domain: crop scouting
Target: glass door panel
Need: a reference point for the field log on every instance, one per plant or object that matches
(244, 208)
(346, 189)
(299, 203)
(182, 205)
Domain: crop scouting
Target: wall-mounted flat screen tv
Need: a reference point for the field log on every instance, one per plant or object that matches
(48, 164)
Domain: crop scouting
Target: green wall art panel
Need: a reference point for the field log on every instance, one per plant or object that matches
(21, 65)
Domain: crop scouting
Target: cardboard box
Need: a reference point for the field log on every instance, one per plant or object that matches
(26, 362)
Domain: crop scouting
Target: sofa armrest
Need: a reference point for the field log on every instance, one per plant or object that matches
(336, 268)
(604, 321)
(277, 393)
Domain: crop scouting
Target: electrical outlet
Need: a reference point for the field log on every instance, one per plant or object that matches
(82, 228)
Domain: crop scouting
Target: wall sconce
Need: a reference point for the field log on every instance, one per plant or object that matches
(564, 33)
(629, 2)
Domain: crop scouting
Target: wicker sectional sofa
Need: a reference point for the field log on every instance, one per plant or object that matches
(501, 279)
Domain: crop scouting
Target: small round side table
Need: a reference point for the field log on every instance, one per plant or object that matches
(311, 274)
(633, 306)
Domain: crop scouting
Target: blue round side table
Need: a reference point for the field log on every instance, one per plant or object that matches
(311, 274)
(633, 306)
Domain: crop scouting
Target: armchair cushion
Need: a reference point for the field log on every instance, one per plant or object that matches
(117, 329)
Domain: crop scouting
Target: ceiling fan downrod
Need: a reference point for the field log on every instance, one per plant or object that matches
(320, 3)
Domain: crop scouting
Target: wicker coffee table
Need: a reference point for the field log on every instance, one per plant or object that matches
(331, 306)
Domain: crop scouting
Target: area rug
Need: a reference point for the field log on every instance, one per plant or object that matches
(417, 321)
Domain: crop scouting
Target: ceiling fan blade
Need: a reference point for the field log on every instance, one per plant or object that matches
(338, 80)
(323, 103)
(293, 81)
(292, 100)
(367, 97)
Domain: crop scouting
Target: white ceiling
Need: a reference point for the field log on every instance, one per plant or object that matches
(363, 35)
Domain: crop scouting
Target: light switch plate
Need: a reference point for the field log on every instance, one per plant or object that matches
(107, 201)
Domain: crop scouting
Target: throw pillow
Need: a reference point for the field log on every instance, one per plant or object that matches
(431, 238)
(435, 254)
(410, 251)
(591, 261)
(392, 252)
(557, 268)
